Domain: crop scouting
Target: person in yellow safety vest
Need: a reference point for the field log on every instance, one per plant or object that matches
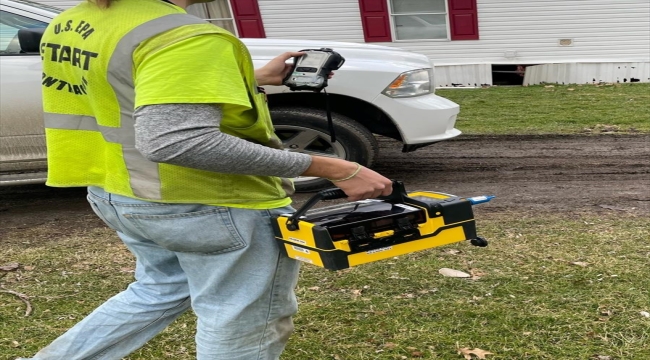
(159, 114)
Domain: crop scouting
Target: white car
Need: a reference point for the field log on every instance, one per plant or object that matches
(378, 91)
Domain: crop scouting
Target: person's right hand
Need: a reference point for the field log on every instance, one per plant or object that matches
(367, 184)
(361, 184)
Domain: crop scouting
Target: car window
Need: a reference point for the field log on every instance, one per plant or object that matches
(9, 26)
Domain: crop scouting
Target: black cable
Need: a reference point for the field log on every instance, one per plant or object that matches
(330, 123)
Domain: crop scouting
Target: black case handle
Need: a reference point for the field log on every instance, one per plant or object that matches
(397, 196)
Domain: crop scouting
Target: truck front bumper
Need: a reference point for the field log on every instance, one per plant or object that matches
(421, 120)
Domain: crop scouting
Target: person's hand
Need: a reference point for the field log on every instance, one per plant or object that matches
(275, 70)
(366, 184)
(356, 181)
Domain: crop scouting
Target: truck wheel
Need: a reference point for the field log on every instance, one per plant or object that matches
(305, 130)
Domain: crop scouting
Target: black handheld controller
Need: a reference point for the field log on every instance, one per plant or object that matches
(311, 70)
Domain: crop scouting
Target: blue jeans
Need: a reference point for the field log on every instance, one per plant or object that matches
(224, 263)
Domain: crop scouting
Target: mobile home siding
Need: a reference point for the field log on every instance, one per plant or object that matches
(511, 31)
(338, 20)
(588, 73)
(520, 32)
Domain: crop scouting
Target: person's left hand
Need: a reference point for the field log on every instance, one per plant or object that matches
(275, 70)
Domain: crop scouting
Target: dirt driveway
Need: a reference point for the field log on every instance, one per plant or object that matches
(606, 173)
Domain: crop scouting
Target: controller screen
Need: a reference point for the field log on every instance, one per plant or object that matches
(311, 59)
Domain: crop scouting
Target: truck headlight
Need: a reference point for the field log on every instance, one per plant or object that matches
(411, 83)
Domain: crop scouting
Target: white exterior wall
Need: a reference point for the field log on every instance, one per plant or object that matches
(601, 30)
(588, 73)
(511, 32)
(335, 20)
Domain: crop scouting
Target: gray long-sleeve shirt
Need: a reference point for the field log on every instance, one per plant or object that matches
(188, 135)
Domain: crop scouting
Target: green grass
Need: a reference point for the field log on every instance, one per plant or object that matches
(529, 300)
(551, 287)
(553, 109)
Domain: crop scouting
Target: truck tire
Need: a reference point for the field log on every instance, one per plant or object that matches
(305, 130)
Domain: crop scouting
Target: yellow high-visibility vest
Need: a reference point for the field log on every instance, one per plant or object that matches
(90, 56)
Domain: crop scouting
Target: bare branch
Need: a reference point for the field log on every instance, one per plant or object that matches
(22, 297)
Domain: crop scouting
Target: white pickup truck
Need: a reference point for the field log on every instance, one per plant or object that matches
(378, 91)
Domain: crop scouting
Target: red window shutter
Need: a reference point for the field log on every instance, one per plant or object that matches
(248, 18)
(463, 19)
(375, 21)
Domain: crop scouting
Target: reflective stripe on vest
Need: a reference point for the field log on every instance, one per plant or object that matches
(143, 174)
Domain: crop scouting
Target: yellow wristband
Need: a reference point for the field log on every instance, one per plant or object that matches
(349, 177)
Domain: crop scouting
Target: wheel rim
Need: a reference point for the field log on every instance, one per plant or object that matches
(309, 141)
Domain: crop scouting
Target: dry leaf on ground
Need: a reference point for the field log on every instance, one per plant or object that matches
(9, 267)
(453, 273)
(476, 274)
(580, 263)
(479, 353)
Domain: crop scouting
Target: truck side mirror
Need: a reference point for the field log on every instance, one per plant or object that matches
(30, 39)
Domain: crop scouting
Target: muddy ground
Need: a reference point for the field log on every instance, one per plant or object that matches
(528, 174)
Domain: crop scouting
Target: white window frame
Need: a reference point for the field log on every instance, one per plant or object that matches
(232, 18)
(393, 31)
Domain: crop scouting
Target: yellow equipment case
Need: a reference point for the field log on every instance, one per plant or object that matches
(344, 235)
